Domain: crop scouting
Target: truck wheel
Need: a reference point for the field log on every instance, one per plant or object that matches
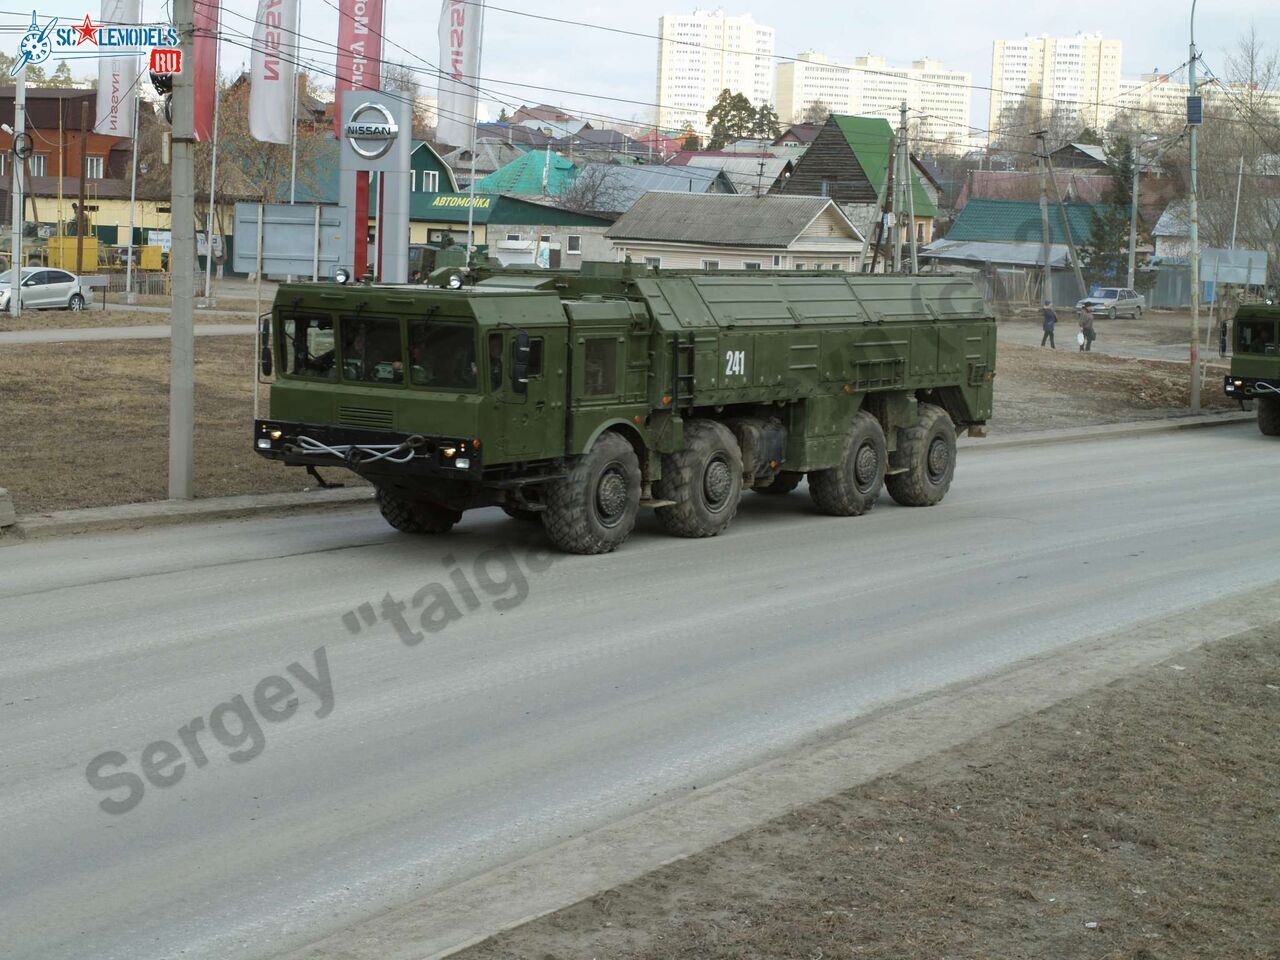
(521, 513)
(704, 479)
(927, 456)
(1269, 416)
(852, 488)
(782, 484)
(593, 510)
(415, 516)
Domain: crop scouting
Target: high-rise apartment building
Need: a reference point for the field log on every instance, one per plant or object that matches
(937, 98)
(705, 52)
(1077, 75)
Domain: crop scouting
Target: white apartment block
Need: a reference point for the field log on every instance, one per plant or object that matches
(938, 99)
(1157, 100)
(705, 52)
(1080, 74)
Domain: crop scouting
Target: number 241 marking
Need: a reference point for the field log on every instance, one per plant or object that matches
(735, 363)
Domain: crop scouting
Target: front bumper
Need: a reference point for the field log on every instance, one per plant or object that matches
(1245, 387)
(455, 458)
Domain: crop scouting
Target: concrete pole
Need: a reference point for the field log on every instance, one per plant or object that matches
(1066, 226)
(182, 263)
(1194, 204)
(1046, 282)
(129, 295)
(1235, 217)
(19, 132)
(82, 219)
(1133, 219)
(213, 182)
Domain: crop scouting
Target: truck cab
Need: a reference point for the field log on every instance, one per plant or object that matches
(1255, 362)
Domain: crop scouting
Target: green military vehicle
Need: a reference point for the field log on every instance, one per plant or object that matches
(576, 398)
(1255, 363)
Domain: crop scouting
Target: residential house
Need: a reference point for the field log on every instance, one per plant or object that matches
(659, 146)
(750, 175)
(1074, 186)
(514, 230)
(538, 173)
(797, 137)
(611, 189)
(849, 161)
(684, 157)
(729, 232)
(490, 155)
(603, 146)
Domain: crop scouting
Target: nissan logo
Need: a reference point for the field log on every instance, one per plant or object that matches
(371, 138)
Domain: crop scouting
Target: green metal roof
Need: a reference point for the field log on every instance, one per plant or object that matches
(1018, 221)
(492, 208)
(537, 173)
(870, 138)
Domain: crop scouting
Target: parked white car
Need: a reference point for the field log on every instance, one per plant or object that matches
(1113, 301)
(46, 288)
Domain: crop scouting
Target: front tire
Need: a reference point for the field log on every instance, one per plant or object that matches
(852, 487)
(926, 457)
(76, 303)
(704, 479)
(415, 516)
(1269, 416)
(593, 510)
(1111, 314)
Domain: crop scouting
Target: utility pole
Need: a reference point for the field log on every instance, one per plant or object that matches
(1133, 216)
(19, 163)
(182, 262)
(1066, 224)
(1235, 217)
(1046, 281)
(899, 207)
(82, 221)
(1194, 205)
(908, 187)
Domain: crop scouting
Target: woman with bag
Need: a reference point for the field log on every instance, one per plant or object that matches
(1086, 336)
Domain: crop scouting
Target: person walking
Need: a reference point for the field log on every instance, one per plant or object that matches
(1050, 321)
(1086, 328)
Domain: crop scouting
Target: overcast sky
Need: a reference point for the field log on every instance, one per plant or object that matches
(594, 64)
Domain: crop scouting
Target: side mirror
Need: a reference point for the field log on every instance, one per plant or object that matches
(264, 343)
(520, 364)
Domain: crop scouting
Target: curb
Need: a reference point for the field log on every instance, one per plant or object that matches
(135, 516)
(1106, 431)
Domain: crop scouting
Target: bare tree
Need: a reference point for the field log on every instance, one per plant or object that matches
(598, 189)
(816, 112)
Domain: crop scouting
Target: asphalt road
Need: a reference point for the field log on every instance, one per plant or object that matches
(616, 681)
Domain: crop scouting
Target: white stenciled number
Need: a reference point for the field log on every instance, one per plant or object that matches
(735, 363)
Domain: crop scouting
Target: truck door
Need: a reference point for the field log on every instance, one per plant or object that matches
(532, 411)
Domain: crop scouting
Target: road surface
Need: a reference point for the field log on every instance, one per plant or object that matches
(154, 332)
(573, 694)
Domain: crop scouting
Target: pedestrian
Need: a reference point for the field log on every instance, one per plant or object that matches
(1087, 334)
(1050, 321)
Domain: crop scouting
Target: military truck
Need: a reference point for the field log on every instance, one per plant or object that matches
(574, 399)
(1255, 362)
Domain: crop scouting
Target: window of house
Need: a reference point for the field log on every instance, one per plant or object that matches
(4, 164)
(573, 243)
(777, 260)
(919, 233)
(413, 181)
(802, 266)
(836, 266)
(710, 264)
(825, 187)
(513, 236)
(750, 264)
(546, 238)
(94, 167)
(39, 164)
(430, 181)
(655, 262)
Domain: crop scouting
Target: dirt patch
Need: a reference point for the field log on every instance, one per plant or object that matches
(1136, 822)
(97, 317)
(88, 424)
(1041, 389)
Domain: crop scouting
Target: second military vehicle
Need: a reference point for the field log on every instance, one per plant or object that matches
(575, 399)
(1255, 362)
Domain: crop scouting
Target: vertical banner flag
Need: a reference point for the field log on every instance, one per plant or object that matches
(272, 69)
(459, 69)
(117, 76)
(204, 77)
(359, 50)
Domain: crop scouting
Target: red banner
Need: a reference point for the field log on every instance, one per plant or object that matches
(204, 69)
(359, 50)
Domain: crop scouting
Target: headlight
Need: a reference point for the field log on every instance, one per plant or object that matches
(341, 275)
(462, 463)
(455, 281)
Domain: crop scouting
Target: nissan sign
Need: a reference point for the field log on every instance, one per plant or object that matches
(371, 130)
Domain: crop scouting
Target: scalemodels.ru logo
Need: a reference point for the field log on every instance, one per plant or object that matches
(89, 40)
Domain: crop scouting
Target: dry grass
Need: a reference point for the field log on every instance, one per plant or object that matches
(88, 424)
(97, 317)
(1148, 809)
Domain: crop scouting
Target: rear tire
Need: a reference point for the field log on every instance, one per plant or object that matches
(1269, 416)
(76, 303)
(927, 456)
(704, 479)
(593, 510)
(415, 516)
(782, 484)
(852, 487)
(1137, 314)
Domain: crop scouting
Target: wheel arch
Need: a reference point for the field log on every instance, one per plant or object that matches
(626, 429)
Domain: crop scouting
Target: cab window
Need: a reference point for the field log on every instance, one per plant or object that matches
(308, 347)
(442, 355)
(371, 351)
(1256, 336)
(495, 362)
(600, 367)
(535, 356)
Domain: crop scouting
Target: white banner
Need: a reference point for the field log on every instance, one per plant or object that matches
(117, 76)
(272, 69)
(460, 28)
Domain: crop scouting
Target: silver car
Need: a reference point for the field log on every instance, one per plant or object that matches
(47, 288)
(1113, 301)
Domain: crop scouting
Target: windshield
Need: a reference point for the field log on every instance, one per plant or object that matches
(442, 354)
(307, 343)
(1108, 294)
(1256, 336)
